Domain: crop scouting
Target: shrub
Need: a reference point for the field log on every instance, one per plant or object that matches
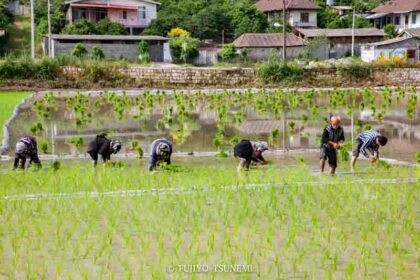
(355, 69)
(244, 54)
(79, 50)
(144, 56)
(228, 52)
(276, 70)
(97, 53)
(24, 68)
(390, 31)
(183, 47)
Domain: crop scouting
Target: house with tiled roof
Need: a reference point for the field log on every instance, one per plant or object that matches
(261, 45)
(299, 13)
(338, 42)
(403, 14)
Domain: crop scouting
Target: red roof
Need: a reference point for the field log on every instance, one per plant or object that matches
(277, 5)
(398, 6)
(109, 6)
(267, 40)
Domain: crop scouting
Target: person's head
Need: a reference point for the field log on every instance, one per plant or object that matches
(21, 148)
(381, 140)
(260, 146)
(115, 146)
(163, 151)
(335, 121)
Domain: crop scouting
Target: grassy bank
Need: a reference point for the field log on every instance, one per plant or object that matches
(352, 227)
(8, 101)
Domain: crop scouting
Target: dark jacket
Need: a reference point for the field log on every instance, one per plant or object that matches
(245, 150)
(100, 146)
(333, 135)
(31, 153)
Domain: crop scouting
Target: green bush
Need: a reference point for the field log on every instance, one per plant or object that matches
(144, 56)
(24, 68)
(275, 70)
(228, 52)
(355, 69)
(97, 53)
(183, 49)
(79, 50)
(95, 72)
(102, 27)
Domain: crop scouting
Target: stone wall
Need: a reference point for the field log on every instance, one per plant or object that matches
(247, 77)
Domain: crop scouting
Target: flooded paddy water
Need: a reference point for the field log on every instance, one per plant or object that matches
(200, 122)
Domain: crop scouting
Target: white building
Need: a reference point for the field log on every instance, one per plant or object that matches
(300, 13)
(401, 13)
(133, 14)
(402, 46)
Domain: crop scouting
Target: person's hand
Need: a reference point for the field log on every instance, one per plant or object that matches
(335, 146)
(339, 146)
(372, 159)
(263, 162)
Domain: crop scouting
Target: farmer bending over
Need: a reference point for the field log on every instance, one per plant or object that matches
(331, 141)
(104, 147)
(161, 151)
(26, 147)
(368, 141)
(248, 152)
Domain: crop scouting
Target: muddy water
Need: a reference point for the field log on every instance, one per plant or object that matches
(201, 126)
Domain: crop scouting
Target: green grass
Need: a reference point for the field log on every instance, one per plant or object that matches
(8, 101)
(285, 230)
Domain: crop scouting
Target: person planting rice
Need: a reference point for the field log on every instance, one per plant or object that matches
(248, 152)
(26, 147)
(331, 141)
(368, 141)
(103, 147)
(161, 151)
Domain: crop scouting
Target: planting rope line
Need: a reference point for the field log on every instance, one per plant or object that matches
(6, 128)
(175, 191)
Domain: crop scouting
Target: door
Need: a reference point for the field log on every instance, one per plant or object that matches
(156, 52)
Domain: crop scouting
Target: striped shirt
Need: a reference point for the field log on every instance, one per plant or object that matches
(368, 139)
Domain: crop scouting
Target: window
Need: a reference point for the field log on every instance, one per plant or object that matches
(304, 17)
(142, 12)
(123, 14)
(411, 53)
(413, 18)
(397, 20)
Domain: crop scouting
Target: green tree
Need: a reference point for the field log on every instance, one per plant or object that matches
(144, 56)
(390, 31)
(228, 52)
(248, 19)
(79, 27)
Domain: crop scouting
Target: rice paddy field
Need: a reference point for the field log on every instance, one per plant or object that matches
(198, 218)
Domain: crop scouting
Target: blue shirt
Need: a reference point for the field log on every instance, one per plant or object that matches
(368, 139)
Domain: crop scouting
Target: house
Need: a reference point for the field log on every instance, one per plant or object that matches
(411, 32)
(261, 45)
(133, 14)
(300, 13)
(113, 46)
(402, 46)
(338, 42)
(401, 13)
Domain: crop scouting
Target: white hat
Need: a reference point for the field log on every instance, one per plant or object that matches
(20, 148)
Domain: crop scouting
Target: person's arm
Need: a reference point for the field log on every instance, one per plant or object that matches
(35, 159)
(18, 158)
(325, 137)
(153, 160)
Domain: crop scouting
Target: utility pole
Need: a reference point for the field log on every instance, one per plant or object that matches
(284, 30)
(352, 32)
(32, 30)
(49, 29)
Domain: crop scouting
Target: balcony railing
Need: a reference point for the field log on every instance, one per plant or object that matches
(303, 24)
(133, 22)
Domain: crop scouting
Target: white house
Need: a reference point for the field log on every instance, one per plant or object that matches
(300, 13)
(402, 46)
(401, 13)
(133, 14)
